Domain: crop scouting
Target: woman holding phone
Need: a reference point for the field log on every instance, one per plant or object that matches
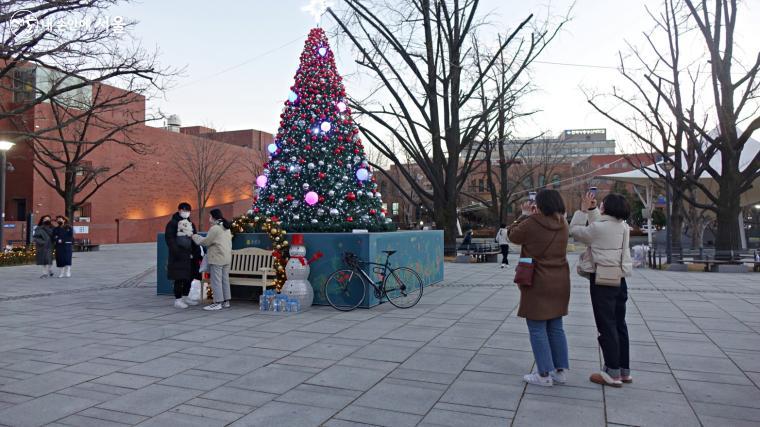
(606, 263)
(542, 232)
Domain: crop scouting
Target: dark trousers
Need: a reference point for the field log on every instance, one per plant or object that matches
(181, 288)
(608, 303)
(504, 254)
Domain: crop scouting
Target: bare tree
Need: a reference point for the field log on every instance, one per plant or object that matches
(420, 53)
(205, 163)
(687, 112)
(76, 38)
(81, 125)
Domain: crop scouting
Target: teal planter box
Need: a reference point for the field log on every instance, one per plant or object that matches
(420, 250)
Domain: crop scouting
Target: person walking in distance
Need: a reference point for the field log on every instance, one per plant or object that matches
(218, 243)
(184, 255)
(43, 241)
(502, 239)
(606, 263)
(542, 232)
(63, 237)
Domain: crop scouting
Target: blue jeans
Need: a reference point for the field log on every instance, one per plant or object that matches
(547, 338)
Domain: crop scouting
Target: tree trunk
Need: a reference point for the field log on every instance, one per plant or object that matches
(728, 237)
(676, 222)
(201, 209)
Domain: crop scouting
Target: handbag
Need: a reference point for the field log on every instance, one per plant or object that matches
(524, 270)
(585, 264)
(607, 275)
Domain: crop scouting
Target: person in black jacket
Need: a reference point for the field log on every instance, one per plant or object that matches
(63, 238)
(184, 256)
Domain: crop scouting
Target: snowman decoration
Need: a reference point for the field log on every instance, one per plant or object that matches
(297, 269)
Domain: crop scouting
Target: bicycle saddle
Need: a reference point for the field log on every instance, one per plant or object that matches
(389, 252)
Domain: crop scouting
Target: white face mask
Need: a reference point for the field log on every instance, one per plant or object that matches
(184, 214)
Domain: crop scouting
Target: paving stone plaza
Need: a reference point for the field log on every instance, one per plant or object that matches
(101, 349)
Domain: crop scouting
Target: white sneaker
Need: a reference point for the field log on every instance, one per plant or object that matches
(558, 377)
(213, 307)
(61, 274)
(189, 301)
(226, 304)
(536, 379)
(503, 265)
(178, 303)
(68, 272)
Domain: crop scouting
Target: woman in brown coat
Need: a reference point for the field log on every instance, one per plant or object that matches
(542, 231)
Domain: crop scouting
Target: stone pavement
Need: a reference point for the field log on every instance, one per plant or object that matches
(102, 349)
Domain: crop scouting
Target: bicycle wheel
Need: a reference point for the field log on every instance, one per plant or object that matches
(403, 287)
(344, 290)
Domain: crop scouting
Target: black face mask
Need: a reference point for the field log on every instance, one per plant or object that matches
(46, 222)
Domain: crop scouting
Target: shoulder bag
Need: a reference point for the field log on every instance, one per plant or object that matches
(611, 275)
(524, 271)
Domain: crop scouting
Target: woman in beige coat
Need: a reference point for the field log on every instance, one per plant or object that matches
(218, 243)
(607, 235)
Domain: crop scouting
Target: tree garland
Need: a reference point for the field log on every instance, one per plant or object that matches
(256, 224)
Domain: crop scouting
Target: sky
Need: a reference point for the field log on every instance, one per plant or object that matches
(239, 57)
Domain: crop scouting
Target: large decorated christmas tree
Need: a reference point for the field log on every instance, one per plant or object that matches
(317, 177)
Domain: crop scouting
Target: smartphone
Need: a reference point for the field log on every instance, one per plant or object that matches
(532, 196)
(592, 190)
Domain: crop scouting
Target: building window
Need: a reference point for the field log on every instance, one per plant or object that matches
(542, 181)
(555, 181)
(528, 182)
(395, 208)
(84, 213)
(83, 168)
(481, 186)
(23, 85)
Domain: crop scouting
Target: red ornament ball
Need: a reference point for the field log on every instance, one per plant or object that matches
(350, 196)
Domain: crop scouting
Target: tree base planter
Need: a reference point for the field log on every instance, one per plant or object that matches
(420, 250)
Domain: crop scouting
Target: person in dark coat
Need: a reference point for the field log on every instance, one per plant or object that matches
(542, 232)
(43, 240)
(63, 237)
(184, 255)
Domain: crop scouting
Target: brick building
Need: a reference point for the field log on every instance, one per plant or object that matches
(137, 204)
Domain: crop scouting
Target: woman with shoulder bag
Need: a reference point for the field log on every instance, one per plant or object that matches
(607, 262)
(544, 297)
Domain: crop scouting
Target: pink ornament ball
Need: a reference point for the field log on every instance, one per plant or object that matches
(261, 181)
(311, 198)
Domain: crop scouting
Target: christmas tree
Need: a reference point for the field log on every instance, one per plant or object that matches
(317, 177)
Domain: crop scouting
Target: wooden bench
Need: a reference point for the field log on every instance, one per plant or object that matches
(252, 267)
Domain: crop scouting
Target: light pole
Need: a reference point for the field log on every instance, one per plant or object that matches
(4, 147)
(668, 166)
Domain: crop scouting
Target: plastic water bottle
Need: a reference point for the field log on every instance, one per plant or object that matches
(263, 303)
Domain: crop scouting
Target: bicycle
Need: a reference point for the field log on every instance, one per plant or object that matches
(345, 289)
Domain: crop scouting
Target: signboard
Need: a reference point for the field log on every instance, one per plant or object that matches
(9, 225)
(81, 229)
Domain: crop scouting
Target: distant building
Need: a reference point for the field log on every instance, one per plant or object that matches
(569, 143)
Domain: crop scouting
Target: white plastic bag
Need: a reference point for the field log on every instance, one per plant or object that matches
(195, 290)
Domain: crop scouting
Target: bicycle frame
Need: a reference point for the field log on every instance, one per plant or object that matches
(379, 285)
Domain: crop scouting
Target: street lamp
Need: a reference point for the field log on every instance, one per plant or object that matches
(4, 146)
(667, 165)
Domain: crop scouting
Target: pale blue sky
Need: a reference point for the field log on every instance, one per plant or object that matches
(262, 40)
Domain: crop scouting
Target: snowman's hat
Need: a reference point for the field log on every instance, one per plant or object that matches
(296, 239)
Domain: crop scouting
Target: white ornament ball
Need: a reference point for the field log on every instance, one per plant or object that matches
(334, 212)
(310, 166)
(296, 217)
(321, 163)
(320, 211)
(331, 193)
(314, 221)
(305, 186)
(344, 178)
